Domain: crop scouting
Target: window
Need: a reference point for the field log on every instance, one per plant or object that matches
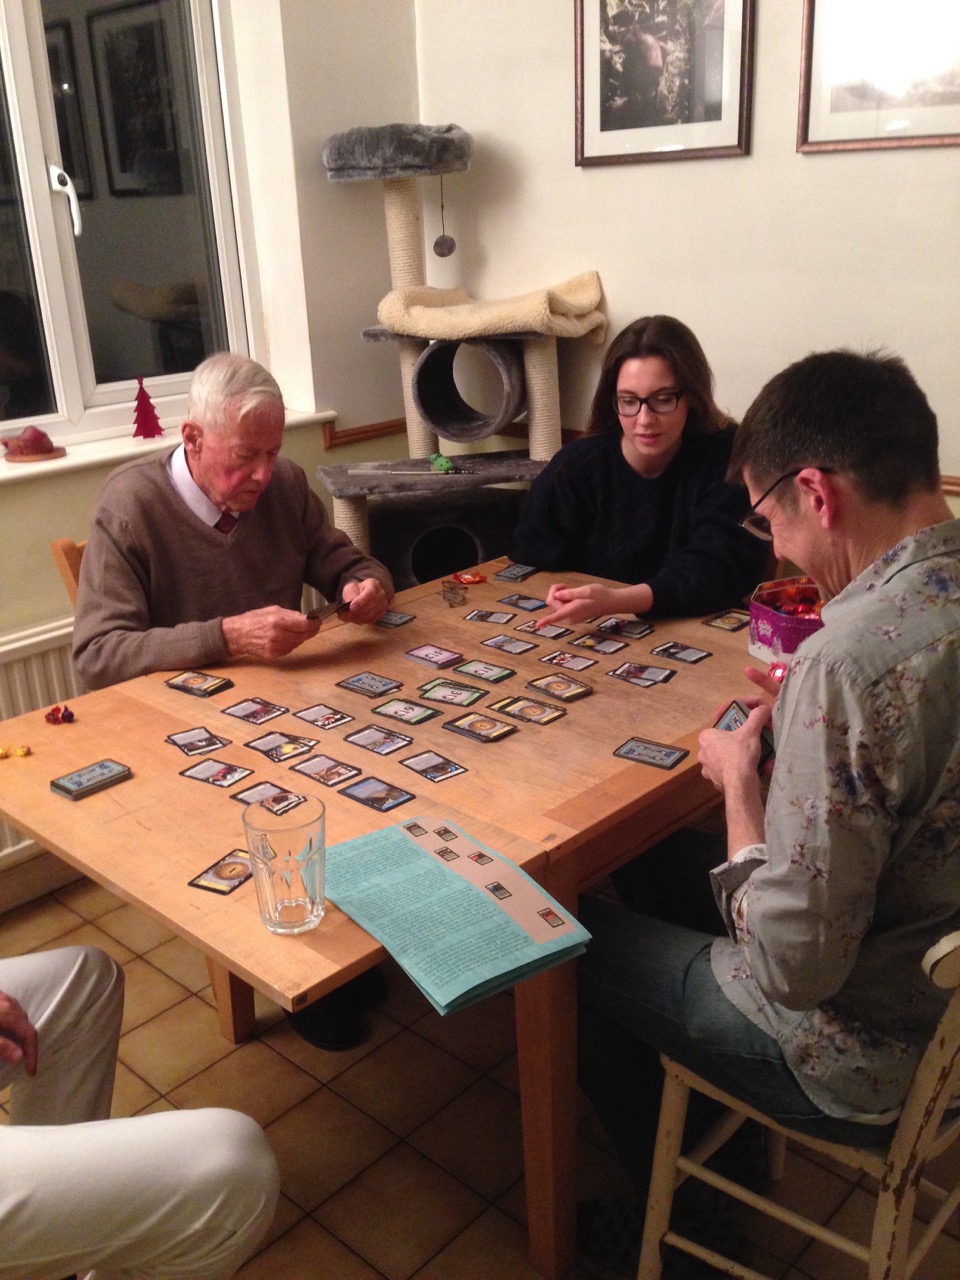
(118, 254)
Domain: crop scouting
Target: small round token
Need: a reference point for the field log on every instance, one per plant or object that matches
(23, 751)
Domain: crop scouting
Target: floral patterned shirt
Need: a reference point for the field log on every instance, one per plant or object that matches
(859, 872)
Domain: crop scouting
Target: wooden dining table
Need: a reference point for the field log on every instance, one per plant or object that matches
(553, 797)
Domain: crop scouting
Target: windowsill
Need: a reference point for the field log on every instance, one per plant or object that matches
(118, 449)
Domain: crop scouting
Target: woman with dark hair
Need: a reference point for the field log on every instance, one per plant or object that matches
(643, 497)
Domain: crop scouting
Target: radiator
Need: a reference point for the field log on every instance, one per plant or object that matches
(35, 671)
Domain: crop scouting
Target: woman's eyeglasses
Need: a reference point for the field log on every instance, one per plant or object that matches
(660, 402)
(759, 525)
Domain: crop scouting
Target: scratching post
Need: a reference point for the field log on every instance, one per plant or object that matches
(543, 397)
(401, 206)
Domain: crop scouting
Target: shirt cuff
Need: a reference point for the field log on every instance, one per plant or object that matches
(731, 876)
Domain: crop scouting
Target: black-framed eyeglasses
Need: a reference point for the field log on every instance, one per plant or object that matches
(628, 406)
(759, 525)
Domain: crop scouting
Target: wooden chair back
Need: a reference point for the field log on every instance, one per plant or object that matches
(67, 555)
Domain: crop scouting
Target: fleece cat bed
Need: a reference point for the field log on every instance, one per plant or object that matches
(391, 151)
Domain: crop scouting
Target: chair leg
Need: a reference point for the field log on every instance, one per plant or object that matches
(663, 1179)
(890, 1241)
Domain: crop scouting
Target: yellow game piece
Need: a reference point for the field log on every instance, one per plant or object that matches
(4, 752)
(23, 751)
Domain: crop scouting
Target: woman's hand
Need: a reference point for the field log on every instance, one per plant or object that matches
(578, 604)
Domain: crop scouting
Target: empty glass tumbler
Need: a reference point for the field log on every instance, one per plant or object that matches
(287, 853)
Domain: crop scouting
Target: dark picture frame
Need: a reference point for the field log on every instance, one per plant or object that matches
(131, 67)
(660, 81)
(855, 94)
(67, 103)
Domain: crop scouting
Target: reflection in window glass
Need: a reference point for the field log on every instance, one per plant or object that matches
(125, 87)
(25, 386)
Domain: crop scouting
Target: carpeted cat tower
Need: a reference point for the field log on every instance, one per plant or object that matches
(517, 335)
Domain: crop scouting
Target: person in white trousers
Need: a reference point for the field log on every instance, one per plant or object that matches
(184, 1194)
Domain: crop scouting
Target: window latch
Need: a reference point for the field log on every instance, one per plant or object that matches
(61, 181)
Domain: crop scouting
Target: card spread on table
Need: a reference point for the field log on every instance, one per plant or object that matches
(548, 630)
(377, 794)
(408, 712)
(571, 661)
(509, 644)
(454, 692)
(515, 573)
(728, 620)
(226, 874)
(640, 674)
(434, 656)
(375, 738)
(323, 717)
(326, 770)
(631, 628)
(280, 747)
(496, 617)
(530, 603)
(200, 683)
(393, 618)
(485, 670)
(276, 799)
(597, 641)
(681, 652)
(369, 684)
(255, 710)
(565, 688)
(658, 754)
(217, 772)
(528, 709)
(433, 766)
(197, 742)
(480, 727)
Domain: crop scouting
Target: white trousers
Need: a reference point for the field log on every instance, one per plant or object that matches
(183, 1195)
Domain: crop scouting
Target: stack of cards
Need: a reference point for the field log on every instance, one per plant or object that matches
(479, 727)
(434, 656)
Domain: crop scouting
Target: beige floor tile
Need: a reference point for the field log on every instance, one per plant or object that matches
(130, 1093)
(482, 1036)
(807, 1188)
(855, 1216)
(400, 1212)
(305, 1252)
(88, 898)
(253, 1078)
(321, 1144)
(137, 931)
(32, 926)
(89, 935)
(600, 1174)
(319, 1062)
(147, 992)
(175, 1045)
(404, 1081)
(477, 1138)
(491, 1246)
(182, 962)
(404, 1003)
(155, 1108)
(507, 1073)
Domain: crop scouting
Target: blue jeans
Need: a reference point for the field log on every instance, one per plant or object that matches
(646, 987)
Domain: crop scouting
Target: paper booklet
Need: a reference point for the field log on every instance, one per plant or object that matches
(462, 920)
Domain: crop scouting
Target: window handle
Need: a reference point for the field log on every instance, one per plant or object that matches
(62, 182)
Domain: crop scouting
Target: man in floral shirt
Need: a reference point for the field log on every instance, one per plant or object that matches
(813, 1006)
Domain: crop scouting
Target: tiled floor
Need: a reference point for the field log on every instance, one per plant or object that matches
(400, 1159)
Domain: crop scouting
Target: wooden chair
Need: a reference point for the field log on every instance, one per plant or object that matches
(67, 555)
(899, 1169)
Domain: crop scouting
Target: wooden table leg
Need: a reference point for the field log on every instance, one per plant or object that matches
(546, 1009)
(234, 1003)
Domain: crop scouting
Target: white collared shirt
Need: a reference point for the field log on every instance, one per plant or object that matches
(189, 490)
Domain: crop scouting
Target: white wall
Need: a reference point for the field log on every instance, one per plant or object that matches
(766, 257)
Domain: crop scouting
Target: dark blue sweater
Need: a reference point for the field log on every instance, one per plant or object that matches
(589, 511)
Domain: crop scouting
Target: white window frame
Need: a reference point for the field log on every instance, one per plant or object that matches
(85, 410)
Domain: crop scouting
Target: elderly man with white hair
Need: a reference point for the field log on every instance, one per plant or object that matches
(200, 555)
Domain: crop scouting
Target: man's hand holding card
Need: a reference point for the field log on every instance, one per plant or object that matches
(366, 600)
(268, 633)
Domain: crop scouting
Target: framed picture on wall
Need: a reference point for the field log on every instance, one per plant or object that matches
(66, 103)
(132, 71)
(657, 80)
(879, 75)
